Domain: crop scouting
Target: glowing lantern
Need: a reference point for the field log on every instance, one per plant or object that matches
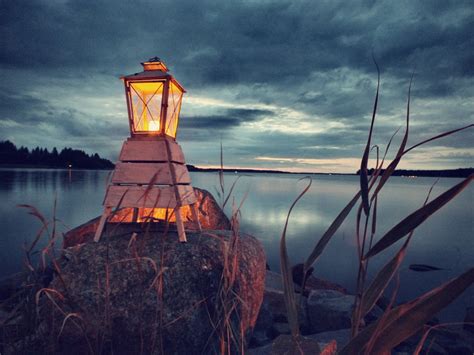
(151, 179)
(153, 100)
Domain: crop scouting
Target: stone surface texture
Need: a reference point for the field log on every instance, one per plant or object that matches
(142, 293)
(332, 310)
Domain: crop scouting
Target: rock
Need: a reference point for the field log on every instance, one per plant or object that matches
(272, 319)
(469, 319)
(297, 272)
(312, 282)
(261, 350)
(273, 281)
(286, 345)
(281, 328)
(332, 310)
(263, 332)
(329, 310)
(210, 213)
(210, 216)
(274, 303)
(273, 311)
(152, 292)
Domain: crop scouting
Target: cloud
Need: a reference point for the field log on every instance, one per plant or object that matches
(229, 119)
(276, 78)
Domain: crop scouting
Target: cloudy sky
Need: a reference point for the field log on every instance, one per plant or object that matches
(284, 84)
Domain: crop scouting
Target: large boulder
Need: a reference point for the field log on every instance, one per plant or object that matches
(146, 292)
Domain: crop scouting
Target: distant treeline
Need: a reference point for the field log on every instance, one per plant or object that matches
(40, 157)
(459, 173)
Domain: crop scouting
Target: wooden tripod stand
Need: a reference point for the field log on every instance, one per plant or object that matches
(151, 173)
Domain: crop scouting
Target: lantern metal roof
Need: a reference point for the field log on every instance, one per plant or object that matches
(154, 69)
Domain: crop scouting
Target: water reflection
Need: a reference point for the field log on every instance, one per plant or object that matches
(445, 240)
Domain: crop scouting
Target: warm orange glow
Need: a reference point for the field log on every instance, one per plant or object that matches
(146, 101)
(125, 215)
(154, 214)
(174, 106)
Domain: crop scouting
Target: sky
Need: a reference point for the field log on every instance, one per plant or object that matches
(286, 85)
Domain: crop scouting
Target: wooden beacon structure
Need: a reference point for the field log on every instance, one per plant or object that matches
(151, 177)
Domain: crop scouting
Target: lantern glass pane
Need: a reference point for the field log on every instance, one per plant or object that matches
(146, 106)
(174, 106)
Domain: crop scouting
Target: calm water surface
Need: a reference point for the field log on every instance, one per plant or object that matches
(446, 240)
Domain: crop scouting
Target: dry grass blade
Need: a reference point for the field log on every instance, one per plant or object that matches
(422, 341)
(34, 212)
(364, 182)
(230, 191)
(416, 313)
(416, 218)
(70, 316)
(150, 186)
(48, 292)
(385, 275)
(439, 136)
(393, 165)
(286, 274)
(79, 326)
(44, 224)
(408, 318)
(382, 320)
(380, 282)
(330, 349)
(318, 249)
(221, 173)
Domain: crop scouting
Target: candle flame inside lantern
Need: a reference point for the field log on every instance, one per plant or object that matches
(154, 126)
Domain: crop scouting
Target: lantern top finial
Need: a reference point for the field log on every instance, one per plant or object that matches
(154, 63)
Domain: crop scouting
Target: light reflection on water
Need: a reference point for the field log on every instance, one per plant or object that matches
(445, 240)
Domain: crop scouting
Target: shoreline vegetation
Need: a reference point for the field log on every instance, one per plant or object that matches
(68, 158)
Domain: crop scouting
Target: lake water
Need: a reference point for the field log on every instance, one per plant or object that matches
(446, 240)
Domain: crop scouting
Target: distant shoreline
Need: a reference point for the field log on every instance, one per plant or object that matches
(448, 173)
(454, 173)
(49, 167)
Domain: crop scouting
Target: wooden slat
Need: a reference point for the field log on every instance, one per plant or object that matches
(159, 197)
(150, 150)
(143, 173)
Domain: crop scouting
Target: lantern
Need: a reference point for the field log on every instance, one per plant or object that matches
(151, 179)
(153, 100)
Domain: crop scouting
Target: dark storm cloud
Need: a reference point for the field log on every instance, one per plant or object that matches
(314, 57)
(239, 42)
(229, 119)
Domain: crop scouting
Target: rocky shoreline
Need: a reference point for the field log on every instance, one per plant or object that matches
(140, 290)
(325, 316)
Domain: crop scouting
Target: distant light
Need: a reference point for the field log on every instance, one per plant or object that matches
(69, 166)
